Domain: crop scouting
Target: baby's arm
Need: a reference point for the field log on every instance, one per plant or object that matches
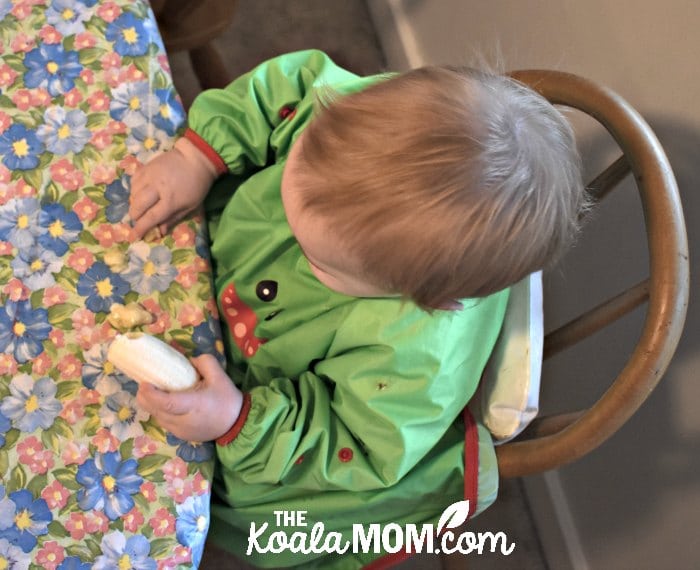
(169, 187)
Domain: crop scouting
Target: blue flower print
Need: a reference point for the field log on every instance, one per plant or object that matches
(20, 148)
(108, 483)
(19, 222)
(191, 451)
(28, 518)
(68, 16)
(149, 269)
(35, 267)
(117, 193)
(207, 339)
(73, 563)
(22, 330)
(101, 375)
(128, 34)
(145, 141)
(50, 66)
(64, 131)
(122, 417)
(31, 404)
(121, 552)
(5, 426)
(133, 103)
(5, 7)
(62, 227)
(170, 115)
(192, 524)
(12, 557)
(102, 287)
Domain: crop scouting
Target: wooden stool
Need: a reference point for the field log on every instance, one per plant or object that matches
(191, 25)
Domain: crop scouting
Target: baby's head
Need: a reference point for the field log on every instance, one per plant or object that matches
(436, 185)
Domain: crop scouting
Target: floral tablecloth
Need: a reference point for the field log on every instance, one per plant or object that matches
(87, 480)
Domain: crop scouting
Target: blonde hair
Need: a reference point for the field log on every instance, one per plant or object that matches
(444, 183)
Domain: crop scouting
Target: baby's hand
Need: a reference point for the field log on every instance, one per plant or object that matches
(204, 413)
(169, 187)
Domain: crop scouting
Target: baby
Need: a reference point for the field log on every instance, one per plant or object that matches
(362, 250)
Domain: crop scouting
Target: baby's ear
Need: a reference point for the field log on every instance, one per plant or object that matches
(450, 306)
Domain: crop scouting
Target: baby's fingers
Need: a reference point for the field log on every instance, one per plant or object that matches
(143, 197)
(153, 217)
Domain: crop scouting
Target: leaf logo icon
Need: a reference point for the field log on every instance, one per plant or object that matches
(453, 516)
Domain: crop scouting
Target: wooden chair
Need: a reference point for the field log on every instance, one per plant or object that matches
(554, 441)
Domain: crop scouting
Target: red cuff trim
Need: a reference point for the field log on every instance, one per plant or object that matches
(205, 148)
(236, 428)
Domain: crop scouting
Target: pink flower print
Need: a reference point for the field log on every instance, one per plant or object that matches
(22, 98)
(190, 315)
(184, 236)
(166, 563)
(76, 526)
(104, 441)
(50, 35)
(112, 60)
(72, 411)
(104, 174)
(16, 290)
(98, 101)
(86, 209)
(129, 164)
(133, 520)
(83, 318)
(176, 468)
(22, 42)
(101, 139)
(105, 234)
(164, 63)
(109, 11)
(7, 76)
(67, 175)
(41, 364)
(200, 264)
(200, 484)
(5, 247)
(81, 259)
(74, 453)
(24, 190)
(42, 462)
(70, 367)
(5, 121)
(183, 554)
(179, 489)
(85, 40)
(58, 338)
(143, 446)
(162, 322)
(116, 127)
(40, 97)
(88, 397)
(133, 73)
(54, 295)
(55, 495)
(73, 98)
(187, 276)
(5, 175)
(148, 490)
(28, 448)
(88, 76)
(8, 365)
(50, 556)
(162, 523)
(96, 521)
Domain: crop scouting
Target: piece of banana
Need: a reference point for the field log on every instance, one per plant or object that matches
(126, 317)
(148, 359)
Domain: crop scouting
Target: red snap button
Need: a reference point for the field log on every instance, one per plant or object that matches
(345, 454)
(287, 112)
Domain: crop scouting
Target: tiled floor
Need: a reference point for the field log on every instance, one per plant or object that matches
(342, 28)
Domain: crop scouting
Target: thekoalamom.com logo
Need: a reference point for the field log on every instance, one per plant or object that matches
(376, 538)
